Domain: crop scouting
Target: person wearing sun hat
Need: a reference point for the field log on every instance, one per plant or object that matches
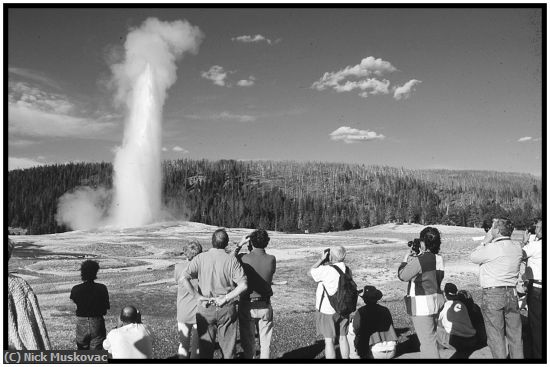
(26, 327)
(372, 335)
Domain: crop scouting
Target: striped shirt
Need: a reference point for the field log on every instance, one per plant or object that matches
(424, 274)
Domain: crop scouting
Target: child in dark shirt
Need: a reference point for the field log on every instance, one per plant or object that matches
(454, 328)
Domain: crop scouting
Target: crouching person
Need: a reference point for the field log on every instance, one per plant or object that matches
(131, 340)
(336, 299)
(454, 327)
(372, 335)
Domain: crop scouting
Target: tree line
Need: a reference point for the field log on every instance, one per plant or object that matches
(292, 196)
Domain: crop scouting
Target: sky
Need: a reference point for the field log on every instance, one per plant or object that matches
(416, 88)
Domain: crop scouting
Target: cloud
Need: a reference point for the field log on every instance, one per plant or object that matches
(22, 163)
(528, 138)
(33, 112)
(34, 76)
(369, 66)
(227, 116)
(404, 91)
(246, 82)
(180, 149)
(350, 135)
(216, 74)
(252, 39)
(21, 142)
(366, 77)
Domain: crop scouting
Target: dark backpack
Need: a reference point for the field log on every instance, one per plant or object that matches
(344, 301)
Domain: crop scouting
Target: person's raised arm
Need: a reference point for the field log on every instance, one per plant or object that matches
(324, 257)
(409, 268)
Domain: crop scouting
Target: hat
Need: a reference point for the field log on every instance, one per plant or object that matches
(370, 293)
(451, 289)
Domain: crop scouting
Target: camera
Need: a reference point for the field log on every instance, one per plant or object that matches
(326, 253)
(532, 229)
(414, 245)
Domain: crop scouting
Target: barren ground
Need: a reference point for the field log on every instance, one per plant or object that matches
(137, 267)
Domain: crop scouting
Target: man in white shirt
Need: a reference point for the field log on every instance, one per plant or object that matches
(133, 340)
(329, 323)
(532, 253)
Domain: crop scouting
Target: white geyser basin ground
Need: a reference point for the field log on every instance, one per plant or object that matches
(136, 262)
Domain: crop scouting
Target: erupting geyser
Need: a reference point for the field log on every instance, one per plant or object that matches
(142, 79)
(147, 72)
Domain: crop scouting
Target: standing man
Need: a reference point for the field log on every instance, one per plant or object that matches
(329, 323)
(131, 339)
(532, 253)
(499, 262)
(221, 280)
(255, 303)
(92, 303)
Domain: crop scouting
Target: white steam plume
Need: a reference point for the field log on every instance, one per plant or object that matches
(83, 208)
(142, 79)
(148, 70)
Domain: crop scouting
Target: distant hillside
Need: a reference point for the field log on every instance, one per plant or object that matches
(291, 196)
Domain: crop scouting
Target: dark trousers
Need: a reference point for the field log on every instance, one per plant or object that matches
(534, 314)
(221, 321)
(502, 322)
(464, 346)
(90, 333)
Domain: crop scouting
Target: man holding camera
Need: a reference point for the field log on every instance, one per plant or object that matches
(532, 253)
(330, 323)
(132, 339)
(255, 304)
(221, 280)
(499, 264)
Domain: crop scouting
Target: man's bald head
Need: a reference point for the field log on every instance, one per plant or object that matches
(129, 315)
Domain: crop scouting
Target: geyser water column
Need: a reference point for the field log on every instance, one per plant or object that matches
(148, 70)
(137, 165)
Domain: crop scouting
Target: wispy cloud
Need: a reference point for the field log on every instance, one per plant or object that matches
(22, 163)
(365, 77)
(350, 135)
(247, 82)
(527, 139)
(404, 91)
(177, 148)
(15, 142)
(224, 116)
(219, 76)
(35, 76)
(252, 39)
(33, 112)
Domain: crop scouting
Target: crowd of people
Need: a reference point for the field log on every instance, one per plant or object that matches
(221, 293)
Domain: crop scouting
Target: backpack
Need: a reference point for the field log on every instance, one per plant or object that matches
(344, 301)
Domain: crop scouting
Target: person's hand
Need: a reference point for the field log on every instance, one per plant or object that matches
(406, 258)
(204, 299)
(326, 255)
(221, 300)
(488, 237)
(526, 236)
(244, 240)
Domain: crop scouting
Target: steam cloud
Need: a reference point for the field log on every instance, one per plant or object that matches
(142, 79)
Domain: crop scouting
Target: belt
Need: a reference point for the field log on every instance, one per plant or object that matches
(535, 283)
(502, 287)
(90, 317)
(259, 299)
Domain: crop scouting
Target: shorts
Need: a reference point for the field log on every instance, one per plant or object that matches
(331, 326)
